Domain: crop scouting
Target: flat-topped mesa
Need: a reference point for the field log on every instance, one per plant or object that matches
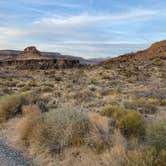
(31, 58)
(30, 53)
(31, 50)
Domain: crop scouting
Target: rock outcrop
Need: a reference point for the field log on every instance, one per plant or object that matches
(31, 58)
(31, 50)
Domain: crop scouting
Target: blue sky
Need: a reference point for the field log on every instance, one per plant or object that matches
(87, 28)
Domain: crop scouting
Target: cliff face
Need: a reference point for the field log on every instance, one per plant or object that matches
(31, 58)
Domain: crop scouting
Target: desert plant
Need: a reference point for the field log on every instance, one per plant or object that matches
(56, 130)
(141, 157)
(10, 105)
(156, 134)
(131, 124)
(112, 111)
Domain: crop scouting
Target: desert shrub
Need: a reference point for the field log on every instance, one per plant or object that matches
(56, 130)
(9, 105)
(59, 129)
(156, 134)
(130, 122)
(112, 111)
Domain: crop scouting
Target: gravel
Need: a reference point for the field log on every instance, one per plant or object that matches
(11, 157)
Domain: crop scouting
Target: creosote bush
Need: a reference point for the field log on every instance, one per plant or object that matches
(130, 122)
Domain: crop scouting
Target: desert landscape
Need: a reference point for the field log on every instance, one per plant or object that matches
(60, 110)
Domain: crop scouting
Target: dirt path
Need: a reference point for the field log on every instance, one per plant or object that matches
(11, 157)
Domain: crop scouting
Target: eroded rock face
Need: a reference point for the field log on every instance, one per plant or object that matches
(31, 51)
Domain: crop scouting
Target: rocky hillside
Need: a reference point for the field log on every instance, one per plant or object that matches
(157, 49)
(145, 65)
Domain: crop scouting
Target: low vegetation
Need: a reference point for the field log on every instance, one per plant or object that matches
(130, 122)
(102, 115)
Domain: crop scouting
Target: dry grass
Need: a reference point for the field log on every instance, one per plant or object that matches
(9, 106)
(55, 130)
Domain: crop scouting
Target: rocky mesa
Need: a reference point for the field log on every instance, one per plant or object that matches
(32, 58)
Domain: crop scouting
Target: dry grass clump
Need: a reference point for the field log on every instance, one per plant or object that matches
(156, 134)
(60, 129)
(10, 105)
(143, 157)
(99, 139)
(56, 130)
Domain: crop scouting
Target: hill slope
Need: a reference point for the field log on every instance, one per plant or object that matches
(157, 49)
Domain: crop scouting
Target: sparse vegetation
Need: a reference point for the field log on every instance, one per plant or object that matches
(10, 105)
(156, 134)
(130, 122)
(102, 115)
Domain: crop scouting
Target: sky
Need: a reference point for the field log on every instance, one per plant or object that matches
(86, 28)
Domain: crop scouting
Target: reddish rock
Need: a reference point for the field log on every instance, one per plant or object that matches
(157, 49)
(31, 50)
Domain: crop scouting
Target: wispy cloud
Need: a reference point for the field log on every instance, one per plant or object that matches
(86, 18)
(51, 3)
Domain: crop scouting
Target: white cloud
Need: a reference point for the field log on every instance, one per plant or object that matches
(86, 18)
(75, 34)
(13, 32)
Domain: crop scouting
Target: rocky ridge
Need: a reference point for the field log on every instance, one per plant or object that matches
(157, 49)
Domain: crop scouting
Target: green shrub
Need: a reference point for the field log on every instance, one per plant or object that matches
(156, 134)
(131, 124)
